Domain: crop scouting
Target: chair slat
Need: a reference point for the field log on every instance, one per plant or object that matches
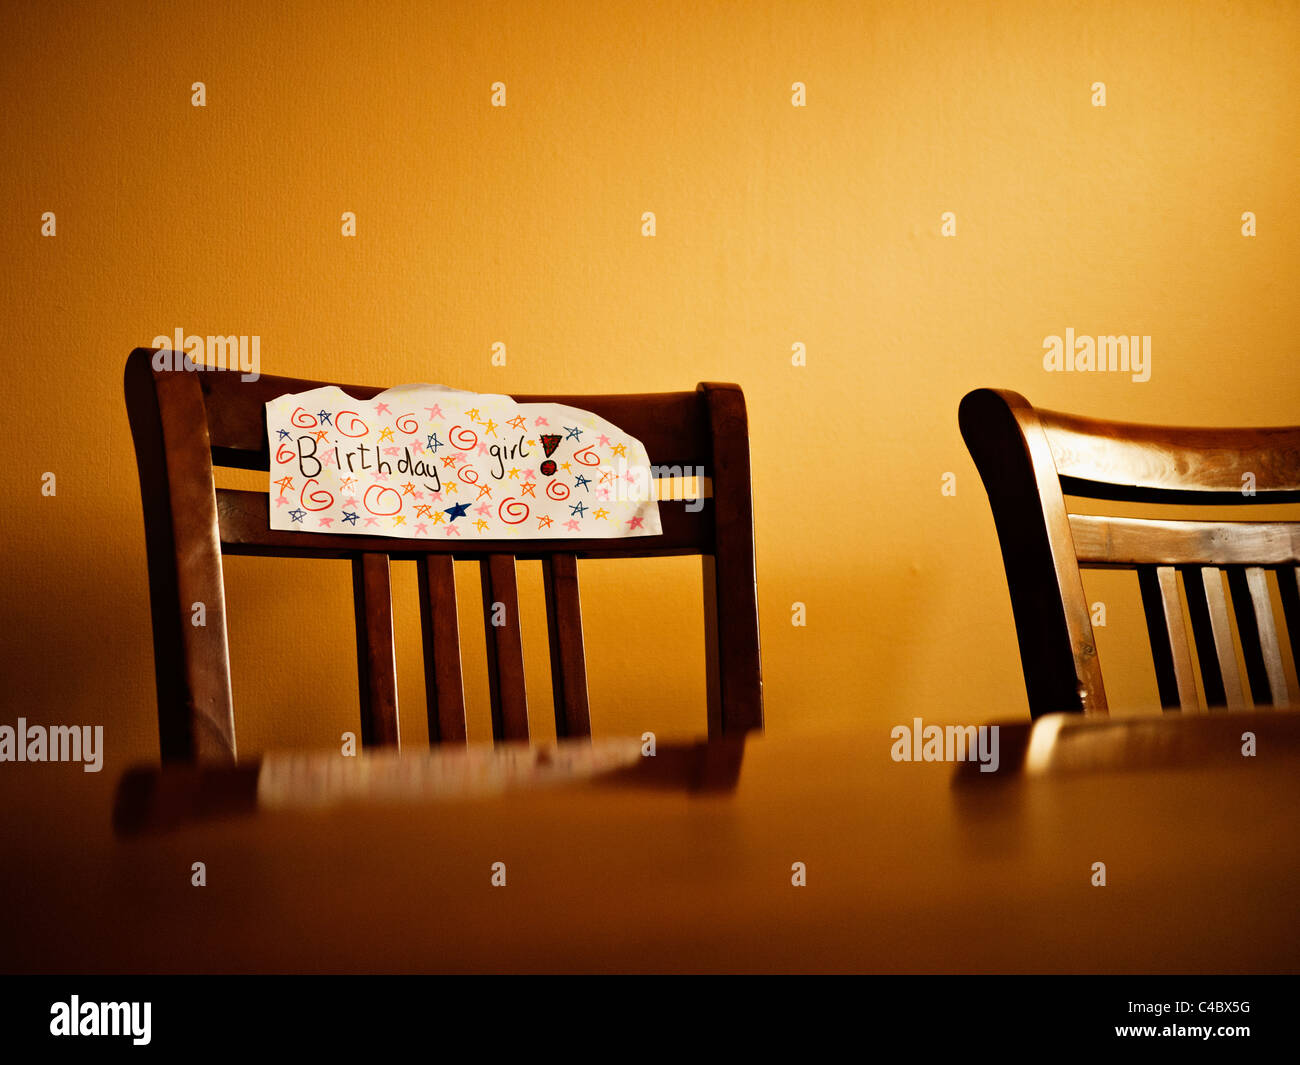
(1112, 541)
(1214, 638)
(1168, 632)
(671, 425)
(245, 530)
(1288, 584)
(568, 656)
(443, 683)
(505, 649)
(376, 658)
(1259, 640)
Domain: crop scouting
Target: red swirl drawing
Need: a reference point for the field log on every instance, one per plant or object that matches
(590, 460)
(459, 433)
(512, 505)
(404, 421)
(557, 490)
(284, 453)
(338, 424)
(309, 423)
(468, 474)
(304, 495)
(365, 499)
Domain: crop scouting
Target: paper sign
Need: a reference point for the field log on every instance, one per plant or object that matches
(427, 461)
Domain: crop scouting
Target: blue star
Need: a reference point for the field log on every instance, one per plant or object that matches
(581, 482)
(578, 509)
(284, 434)
(324, 417)
(574, 432)
(297, 515)
(435, 443)
(458, 511)
(350, 516)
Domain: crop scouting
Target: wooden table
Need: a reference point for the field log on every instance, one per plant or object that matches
(911, 867)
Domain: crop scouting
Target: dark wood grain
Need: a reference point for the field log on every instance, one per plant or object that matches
(376, 654)
(739, 672)
(444, 685)
(568, 654)
(505, 649)
(196, 720)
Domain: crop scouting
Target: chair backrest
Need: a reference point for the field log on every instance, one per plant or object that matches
(1030, 460)
(186, 419)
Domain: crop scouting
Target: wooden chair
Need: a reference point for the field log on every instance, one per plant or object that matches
(1030, 460)
(185, 422)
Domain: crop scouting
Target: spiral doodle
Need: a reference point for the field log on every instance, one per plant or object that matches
(354, 421)
(365, 499)
(512, 505)
(459, 433)
(304, 495)
(557, 490)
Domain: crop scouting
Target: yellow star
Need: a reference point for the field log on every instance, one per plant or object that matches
(387, 434)
(438, 517)
(451, 486)
(619, 449)
(481, 524)
(565, 467)
(399, 520)
(490, 427)
(514, 472)
(472, 414)
(602, 514)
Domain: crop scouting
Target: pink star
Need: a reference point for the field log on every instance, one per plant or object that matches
(382, 408)
(417, 445)
(436, 496)
(635, 523)
(571, 524)
(422, 529)
(381, 476)
(530, 475)
(435, 411)
(603, 493)
(482, 449)
(602, 440)
(281, 501)
(453, 530)
(541, 421)
(325, 522)
(389, 451)
(372, 521)
(349, 502)
(483, 509)
(418, 495)
(329, 459)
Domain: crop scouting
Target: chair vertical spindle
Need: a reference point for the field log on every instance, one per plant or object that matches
(1168, 632)
(505, 650)
(443, 681)
(568, 656)
(1259, 640)
(376, 658)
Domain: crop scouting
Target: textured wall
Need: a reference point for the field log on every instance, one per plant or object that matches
(776, 225)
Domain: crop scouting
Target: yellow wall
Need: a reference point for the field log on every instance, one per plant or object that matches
(776, 225)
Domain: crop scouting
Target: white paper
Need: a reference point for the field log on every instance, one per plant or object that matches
(431, 462)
